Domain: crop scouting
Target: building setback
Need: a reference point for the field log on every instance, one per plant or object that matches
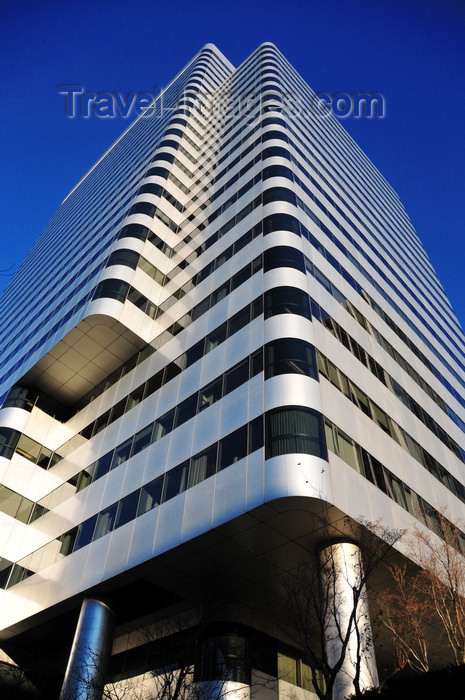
(228, 334)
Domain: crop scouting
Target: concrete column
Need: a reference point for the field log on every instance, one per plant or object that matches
(342, 572)
(90, 653)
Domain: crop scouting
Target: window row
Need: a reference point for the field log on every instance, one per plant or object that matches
(9, 438)
(15, 505)
(153, 211)
(143, 233)
(283, 356)
(225, 330)
(384, 276)
(367, 211)
(284, 430)
(286, 256)
(380, 373)
(280, 135)
(206, 271)
(405, 338)
(271, 223)
(386, 423)
(119, 290)
(26, 397)
(12, 441)
(371, 468)
(48, 332)
(289, 223)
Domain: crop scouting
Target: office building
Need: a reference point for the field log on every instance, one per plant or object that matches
(228, 334)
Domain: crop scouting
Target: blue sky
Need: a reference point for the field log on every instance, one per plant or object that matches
(411, 51)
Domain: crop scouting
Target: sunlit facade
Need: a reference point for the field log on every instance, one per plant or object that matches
(229, 324)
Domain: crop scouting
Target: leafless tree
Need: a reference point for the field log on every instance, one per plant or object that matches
(441, 581)
(326, 600)
(404, 614)
(431, 596)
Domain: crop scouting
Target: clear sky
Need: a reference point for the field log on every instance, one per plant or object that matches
(411, 51)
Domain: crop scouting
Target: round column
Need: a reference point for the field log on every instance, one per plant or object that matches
(88, 661)
(347, 618)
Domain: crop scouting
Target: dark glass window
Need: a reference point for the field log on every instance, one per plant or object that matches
(142, 439)
(280, 222)
(220, 293)
(279, 194)
(143, 208)
(221, 259)
(85, 533)
(137, 299)
(118, 410)
(25, 507)
(240, 277)
(21, 397)
(102, 465)
(238, 321)
(232, 448)
(256, 363)
(290, 356)
(86, 477)
(287, 300)
(214, 338)
(205, 272)
(194, 353)
(277, 171)
(67, 541)
(150, 495)
(283, 256)
(114, 289)
(294, 429)
(272, 151)
(135, 397)
(175, 481)
(257, 307)
(211, 393)
(236, 376)
(225, 657)
(163, 425)
(8, 441)
(124, 257)
(171, 371)
(256, 434)
(101, 422)
(127, 509)
(202, 465)
(105, 521)
(242, 242)
(154, 383)
(168, 143)
(151, 188)
(134, 231)
(161, 172)
(200, 309)
(122, 453)
(186, 410)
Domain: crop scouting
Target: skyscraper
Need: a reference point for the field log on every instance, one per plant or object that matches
(228, 328)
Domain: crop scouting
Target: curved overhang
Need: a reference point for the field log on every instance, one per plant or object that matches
(97, 346)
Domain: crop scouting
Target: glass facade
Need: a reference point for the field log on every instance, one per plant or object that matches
(232, 326)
